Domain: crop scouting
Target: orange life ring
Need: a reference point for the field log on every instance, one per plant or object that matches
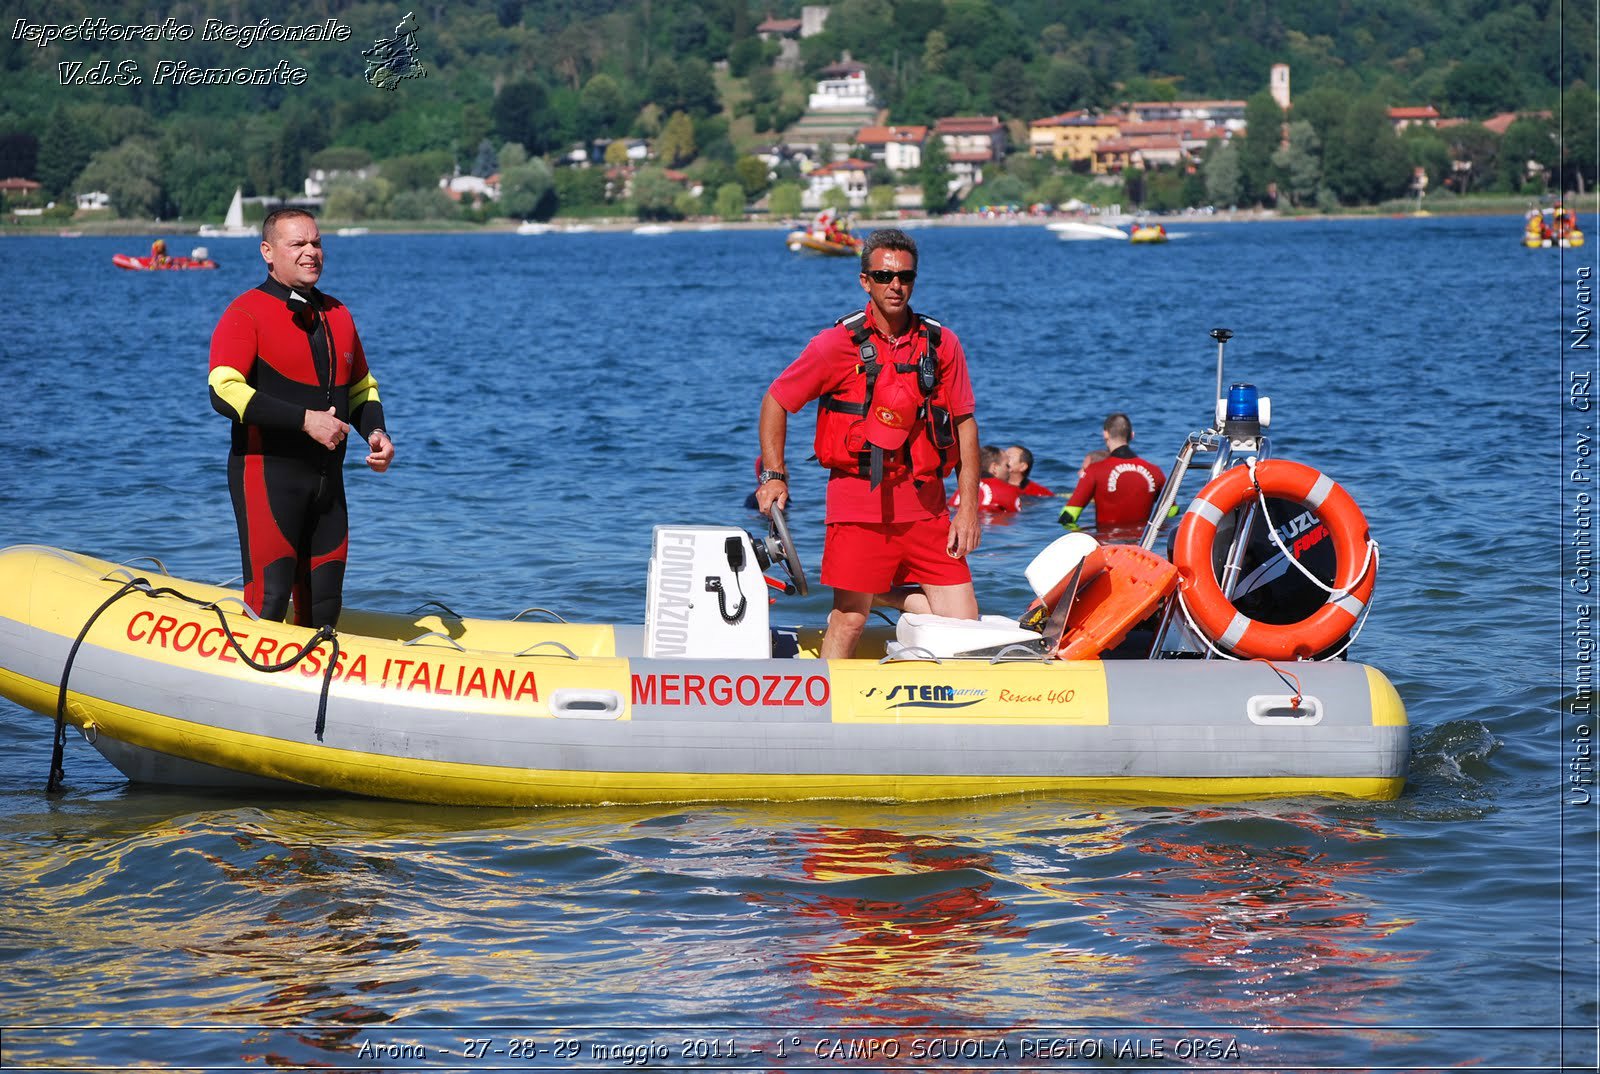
(1216, 616)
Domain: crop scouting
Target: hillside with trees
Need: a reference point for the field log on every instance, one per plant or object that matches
(512, 86)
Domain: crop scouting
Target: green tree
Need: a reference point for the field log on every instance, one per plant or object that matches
(580, 188)
(934, 176)
(661, 84)
(1164, 190)
(676, 144)
(1222, 174)
(1427, 148)
(935, 52)
(417, 171)
(745, 56)
(785, 200)
(697, 88)
(686, 204)
(1474, 151)
(880, 199)
(130, 173)
(64, 150)
(1300, 163)
(1579, 157)
(1263, 126)
(654, 195)
(1363, 160)
(356, 199)
(602, 108)
(1066, 85)
(522, 113)
(1480, 88)
(1003, 190)
(836, 199)
(422, 205)
(527, 185)
(1010, 89)
(1528, 152)
(730, 202)
(752, 173)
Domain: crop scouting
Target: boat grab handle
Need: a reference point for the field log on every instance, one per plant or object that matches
(435, 604)
(564, 651)
(442, 637)
(160, 566)
(910, 652)
(553, 615)
(1017, 652)
(243, 607)
(124, 573)
(1278, 710)
(586, 704)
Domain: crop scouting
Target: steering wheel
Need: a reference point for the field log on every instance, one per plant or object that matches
(780, 546)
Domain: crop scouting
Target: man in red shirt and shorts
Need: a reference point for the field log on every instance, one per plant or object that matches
(894, 417)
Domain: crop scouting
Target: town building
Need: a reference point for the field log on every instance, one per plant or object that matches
(1071, 136)
(897, 148)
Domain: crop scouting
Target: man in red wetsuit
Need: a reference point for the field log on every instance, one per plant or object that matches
(894, 417)
(287, 369)
(1123, 486)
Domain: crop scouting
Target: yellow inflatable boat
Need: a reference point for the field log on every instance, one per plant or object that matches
(706, 700)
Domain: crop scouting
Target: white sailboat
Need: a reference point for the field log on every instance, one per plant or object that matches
(233, 226)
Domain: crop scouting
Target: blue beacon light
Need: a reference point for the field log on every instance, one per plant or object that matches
(1244, 403)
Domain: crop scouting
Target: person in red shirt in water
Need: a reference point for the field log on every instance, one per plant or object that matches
(1019, 465)
(894, 417)
(1122, 486)
(996, 494)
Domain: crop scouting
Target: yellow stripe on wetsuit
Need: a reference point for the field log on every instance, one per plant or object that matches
(229, 385)
(363, 392)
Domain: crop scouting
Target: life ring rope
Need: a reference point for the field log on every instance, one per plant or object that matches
(1369, 563)
(1194, 628)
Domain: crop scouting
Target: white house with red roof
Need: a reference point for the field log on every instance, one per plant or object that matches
(897, 148)
(1414, 115)
(842, 87)
(849, 175)
(970, 142)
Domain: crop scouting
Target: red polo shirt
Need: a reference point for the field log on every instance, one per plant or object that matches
(827, 363)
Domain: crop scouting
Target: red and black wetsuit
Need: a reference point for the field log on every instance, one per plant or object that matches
(275, 354)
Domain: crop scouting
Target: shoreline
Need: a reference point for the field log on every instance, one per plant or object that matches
(613, 224)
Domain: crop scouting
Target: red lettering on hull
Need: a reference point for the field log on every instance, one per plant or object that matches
(441, 680)
(726, 691)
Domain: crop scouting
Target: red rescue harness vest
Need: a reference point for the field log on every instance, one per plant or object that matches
(841, 445)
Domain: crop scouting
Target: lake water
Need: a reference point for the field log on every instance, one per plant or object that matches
(553, 397)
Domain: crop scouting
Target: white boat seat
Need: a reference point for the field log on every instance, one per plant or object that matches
(943, 636)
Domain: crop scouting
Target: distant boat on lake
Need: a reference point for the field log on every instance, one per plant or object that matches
(233, 225)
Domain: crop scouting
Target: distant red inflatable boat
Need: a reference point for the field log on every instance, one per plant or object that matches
(147, 264)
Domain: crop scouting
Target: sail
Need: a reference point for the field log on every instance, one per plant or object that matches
(235, 217)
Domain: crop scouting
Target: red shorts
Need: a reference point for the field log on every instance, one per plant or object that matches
(872, 557)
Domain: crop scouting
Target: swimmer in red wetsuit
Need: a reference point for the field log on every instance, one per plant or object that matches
(287, 369)
(1122, 486)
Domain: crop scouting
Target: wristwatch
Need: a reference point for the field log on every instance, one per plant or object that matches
(771, 475)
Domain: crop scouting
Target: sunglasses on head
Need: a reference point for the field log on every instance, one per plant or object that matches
(906, 276)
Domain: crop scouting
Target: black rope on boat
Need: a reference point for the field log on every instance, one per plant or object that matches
(58, 752)
(323, 633)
